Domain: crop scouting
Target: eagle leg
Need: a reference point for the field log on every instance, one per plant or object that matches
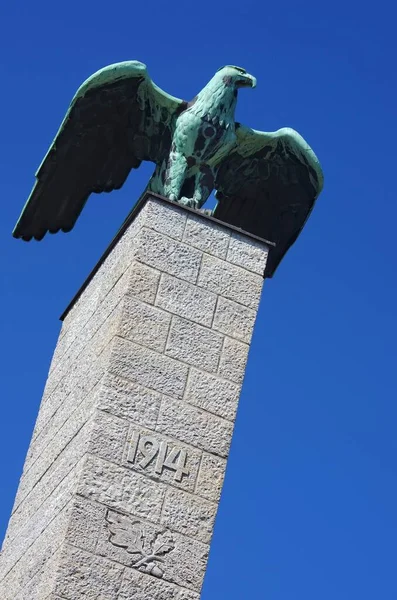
(175, 175)
(204, 185)
(197, 187)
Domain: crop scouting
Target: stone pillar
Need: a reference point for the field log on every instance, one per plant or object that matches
(122, 479)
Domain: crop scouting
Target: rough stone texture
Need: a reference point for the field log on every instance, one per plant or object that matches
(85, 523)
(49, 486)
(234, 319)
(165, 218)
(137, 586)
(124, 472)
(136, 316)
(84, 575)
(165, 254)
(213, 240)
(148, 368)
(194, 426)
(233, 360)
(229, 281)
(211, 475)
(33, 562)
(143, 282)
(213, 394)
(189, 514)
(129, 400)
(186, 300)
(194, 344)
(108, 437)
(249, 254)
(119, 488)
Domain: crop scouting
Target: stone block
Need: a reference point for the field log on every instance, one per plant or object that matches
(41, 581)
(148, 368)
(49, 405)
(187, 595)
(213, 394)
(189, 514)
(91, 340)
(48, 459)
(248, 253)
(234, 320)
(108, 436)
(164, 218)
(61, 471)
(112, 269)
(129, 400)
(85, 523)
(211, 476)
(93, 307)
(119, 260)
(70, 408)
(139, 586)
(32, 578)
(120, 488)
(194, 426)
(230, 281)
(75, 340)
(186, 300)
(233, 360)
(162, 458)
(143, 282)
(73, 389)
(83, 575)
(20, 561)
(81, 373)
(83, 309)
(105, 334)
(144, 324)
(168, 255)
(206, 236)
(194, 344)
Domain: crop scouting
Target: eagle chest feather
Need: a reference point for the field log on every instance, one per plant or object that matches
(204, 139)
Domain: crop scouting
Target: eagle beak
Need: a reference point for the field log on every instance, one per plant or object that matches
(246, 81)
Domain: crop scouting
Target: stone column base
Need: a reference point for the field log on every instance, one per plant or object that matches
(124, 472)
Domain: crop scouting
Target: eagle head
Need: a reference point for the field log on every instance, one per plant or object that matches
(236, 76)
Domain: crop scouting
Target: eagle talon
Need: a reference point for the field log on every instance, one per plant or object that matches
(190, 202)
(207, 211)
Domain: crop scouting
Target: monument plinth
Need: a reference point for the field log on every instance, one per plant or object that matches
(123, 476)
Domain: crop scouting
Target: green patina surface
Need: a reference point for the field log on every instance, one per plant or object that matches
(265, 183)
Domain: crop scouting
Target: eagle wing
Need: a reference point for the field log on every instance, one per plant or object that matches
(267, 186)
(117, 118)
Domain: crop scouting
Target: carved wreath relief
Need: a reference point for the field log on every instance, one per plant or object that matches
(144, 449)
(149, 548)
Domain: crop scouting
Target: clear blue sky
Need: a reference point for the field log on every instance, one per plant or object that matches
(309, 508)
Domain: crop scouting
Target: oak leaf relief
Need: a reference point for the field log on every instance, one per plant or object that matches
(131, 535)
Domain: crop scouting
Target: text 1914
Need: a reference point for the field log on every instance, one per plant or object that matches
(144, 449)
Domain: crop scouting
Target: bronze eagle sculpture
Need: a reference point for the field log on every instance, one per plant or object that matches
(265, 183)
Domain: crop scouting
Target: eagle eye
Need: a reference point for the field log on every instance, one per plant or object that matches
(239, 69)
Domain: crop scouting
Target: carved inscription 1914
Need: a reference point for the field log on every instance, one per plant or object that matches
(145, 449)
